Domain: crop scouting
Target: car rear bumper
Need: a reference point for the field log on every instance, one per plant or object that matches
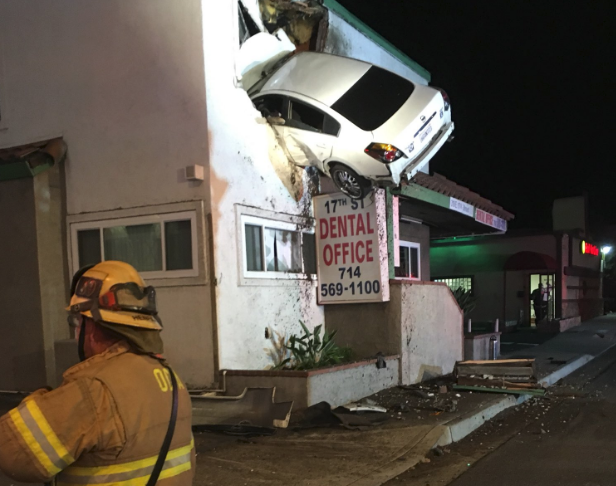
(406, 168)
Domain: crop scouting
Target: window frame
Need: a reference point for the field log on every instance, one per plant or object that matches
(412, 244)
(452, 277)
(161, 219)
(265, 222)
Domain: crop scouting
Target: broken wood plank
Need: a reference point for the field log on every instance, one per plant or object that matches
(506, 362)
(496, 370)
(482, 389)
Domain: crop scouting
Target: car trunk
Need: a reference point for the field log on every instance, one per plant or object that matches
(416, 122)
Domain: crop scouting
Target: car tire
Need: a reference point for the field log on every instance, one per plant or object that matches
(350, 182)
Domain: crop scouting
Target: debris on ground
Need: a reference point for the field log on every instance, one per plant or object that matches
(254, 407)
(322, 415)
(364, 407)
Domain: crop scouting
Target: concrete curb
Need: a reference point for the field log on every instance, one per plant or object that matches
(460, 427)
(567, 370)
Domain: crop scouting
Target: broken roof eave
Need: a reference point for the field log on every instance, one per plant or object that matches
(27, 161)
(378, 39)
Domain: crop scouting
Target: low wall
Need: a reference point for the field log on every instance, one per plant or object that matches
(336, 385)
(586, 309)
(422, 323)
(478, 346)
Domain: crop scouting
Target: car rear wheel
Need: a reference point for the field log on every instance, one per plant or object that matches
(350, 182)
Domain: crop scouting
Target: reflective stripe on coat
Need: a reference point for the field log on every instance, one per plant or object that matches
(104, 426)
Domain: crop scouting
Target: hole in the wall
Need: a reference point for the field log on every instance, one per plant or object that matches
(267, 333)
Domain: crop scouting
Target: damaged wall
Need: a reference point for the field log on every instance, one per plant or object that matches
(422, 323)
(123, 83)
(304, 22)
(248, 171)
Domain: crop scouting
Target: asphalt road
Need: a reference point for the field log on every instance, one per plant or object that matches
(572, 444)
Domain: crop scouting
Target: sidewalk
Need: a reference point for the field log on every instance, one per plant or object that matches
(339, 457)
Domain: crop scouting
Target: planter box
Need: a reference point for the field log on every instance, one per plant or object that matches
(477, 346)
(559, 325)
(336, 385)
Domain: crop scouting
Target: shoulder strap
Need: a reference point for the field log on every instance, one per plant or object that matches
(162, 455)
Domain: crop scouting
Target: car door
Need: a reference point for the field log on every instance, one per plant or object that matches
(310, 134)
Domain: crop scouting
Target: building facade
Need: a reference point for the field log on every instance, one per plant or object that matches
(502, 272)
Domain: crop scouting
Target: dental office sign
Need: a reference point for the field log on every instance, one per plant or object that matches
(351, 240)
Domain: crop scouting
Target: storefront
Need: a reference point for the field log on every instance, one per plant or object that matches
(517, 278)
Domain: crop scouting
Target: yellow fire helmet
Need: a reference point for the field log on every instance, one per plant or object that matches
(115, 293)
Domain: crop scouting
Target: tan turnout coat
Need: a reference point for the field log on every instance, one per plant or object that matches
(104, 426)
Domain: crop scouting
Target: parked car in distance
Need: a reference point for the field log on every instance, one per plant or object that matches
(357, 123)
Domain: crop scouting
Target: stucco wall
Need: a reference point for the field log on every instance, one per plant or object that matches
(22, 348)
(123, 83)
(432, 333)
(247, 168)
(422, 322)
(53, 269)
(489, 288)
(345, 40)
(517, 308)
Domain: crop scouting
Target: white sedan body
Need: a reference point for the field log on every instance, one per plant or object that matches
(334, 107)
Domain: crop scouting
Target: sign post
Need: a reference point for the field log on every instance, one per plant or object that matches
(351, 240)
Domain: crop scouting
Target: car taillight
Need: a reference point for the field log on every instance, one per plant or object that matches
(383, 152)
(445, 98)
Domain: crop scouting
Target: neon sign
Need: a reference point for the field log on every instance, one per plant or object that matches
(588, 249)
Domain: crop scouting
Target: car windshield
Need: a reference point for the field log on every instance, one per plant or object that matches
(374, 98)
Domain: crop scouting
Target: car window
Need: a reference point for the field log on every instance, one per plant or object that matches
(271, 105)
(374, 99)
(305, 117)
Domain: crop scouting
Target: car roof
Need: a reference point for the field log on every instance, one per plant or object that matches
(323, 77)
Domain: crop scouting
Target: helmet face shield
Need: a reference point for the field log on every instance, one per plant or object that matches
(130, 297)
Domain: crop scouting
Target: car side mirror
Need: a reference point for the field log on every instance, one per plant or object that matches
(275, 120)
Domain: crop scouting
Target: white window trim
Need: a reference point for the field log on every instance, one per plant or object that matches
(273, 224)
(411, 244)
(129, 221)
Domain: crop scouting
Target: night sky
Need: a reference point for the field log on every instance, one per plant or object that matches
(532, 88)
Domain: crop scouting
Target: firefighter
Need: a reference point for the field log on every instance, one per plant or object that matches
(121, 416)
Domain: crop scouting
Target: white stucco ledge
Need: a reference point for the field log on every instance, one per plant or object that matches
(336, 385)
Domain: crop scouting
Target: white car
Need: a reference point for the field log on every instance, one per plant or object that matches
(358, 123)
